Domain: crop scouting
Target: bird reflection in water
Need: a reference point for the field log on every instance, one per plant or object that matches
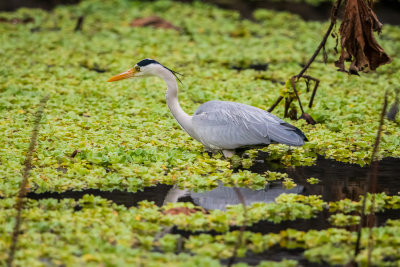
(223, 196)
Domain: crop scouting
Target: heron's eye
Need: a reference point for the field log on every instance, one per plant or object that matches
(137, 68)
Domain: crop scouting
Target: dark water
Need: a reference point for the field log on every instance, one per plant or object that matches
(337, 181)
(128, 199)
(340, 180)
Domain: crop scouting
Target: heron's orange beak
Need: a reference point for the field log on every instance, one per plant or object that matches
(124, 75)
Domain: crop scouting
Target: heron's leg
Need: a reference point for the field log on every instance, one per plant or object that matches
(228, 153)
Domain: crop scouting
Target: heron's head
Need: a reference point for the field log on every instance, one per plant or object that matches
(144, 68)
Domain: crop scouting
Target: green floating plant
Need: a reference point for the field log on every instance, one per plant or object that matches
(313, 180)
(341, 219)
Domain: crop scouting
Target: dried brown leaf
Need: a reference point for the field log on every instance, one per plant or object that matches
(358, 42)
(153, 21)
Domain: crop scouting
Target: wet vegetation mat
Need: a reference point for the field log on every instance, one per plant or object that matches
(112, 180)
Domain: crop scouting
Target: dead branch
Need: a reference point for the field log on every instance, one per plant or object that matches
(275, 104)
(334, 14)
(317, 81)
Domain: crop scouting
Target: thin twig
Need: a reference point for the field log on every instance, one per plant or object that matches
(25, 174)
(288, 101)
(242, 228)
(297, 95)
(275, 104)
(313, 94)
(334, 13)
(370, 186)
(317, 81)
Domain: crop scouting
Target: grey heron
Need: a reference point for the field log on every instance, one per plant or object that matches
(219, 125)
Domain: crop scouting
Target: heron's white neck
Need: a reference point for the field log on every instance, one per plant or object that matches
(171, 95)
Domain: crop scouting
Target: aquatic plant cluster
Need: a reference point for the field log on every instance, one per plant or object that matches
(96, 135)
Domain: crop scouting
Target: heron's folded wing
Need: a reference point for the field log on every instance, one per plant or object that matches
(230, 125)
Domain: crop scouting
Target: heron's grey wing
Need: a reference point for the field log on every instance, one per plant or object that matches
(223, 130)
(229, 125)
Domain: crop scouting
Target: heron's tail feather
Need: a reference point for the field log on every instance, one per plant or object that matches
(287, 134)
(300, 133)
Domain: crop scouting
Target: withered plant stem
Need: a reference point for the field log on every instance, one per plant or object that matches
(275, 104)
(370, 186)
(334, 14)
(297, 95)
(25, 174)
